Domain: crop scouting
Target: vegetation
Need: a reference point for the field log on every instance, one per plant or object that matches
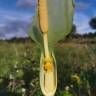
(92, 23)
(19, 68)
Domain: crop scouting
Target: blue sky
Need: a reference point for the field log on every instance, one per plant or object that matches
(16, 16)
(84, 11)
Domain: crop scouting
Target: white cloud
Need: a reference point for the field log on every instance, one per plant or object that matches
(26, 3)
(11, 16)
(12, 29)
(2, 25)
(14, 24)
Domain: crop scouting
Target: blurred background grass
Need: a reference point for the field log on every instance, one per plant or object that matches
(19, 68)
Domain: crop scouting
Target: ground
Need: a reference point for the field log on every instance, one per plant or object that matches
(19, 67)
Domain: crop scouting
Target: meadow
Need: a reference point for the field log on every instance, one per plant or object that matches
(76, 63)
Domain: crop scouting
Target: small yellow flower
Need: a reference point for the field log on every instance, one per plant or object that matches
(48, 64)
(76, 77)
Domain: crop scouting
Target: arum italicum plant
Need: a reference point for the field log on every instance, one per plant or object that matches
(52, 22)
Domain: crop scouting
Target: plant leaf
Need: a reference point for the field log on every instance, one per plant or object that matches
(60, 16)
(34, 31)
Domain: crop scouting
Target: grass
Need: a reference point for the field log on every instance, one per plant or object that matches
(19, 68)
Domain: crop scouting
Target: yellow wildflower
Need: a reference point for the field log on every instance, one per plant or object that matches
(76, 77)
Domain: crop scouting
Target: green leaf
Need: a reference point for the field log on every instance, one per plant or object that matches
(34, 31)
(60, 16)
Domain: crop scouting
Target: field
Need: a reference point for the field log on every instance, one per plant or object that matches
(19, 68)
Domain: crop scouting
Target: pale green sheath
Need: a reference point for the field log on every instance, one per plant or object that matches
(56, 18)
